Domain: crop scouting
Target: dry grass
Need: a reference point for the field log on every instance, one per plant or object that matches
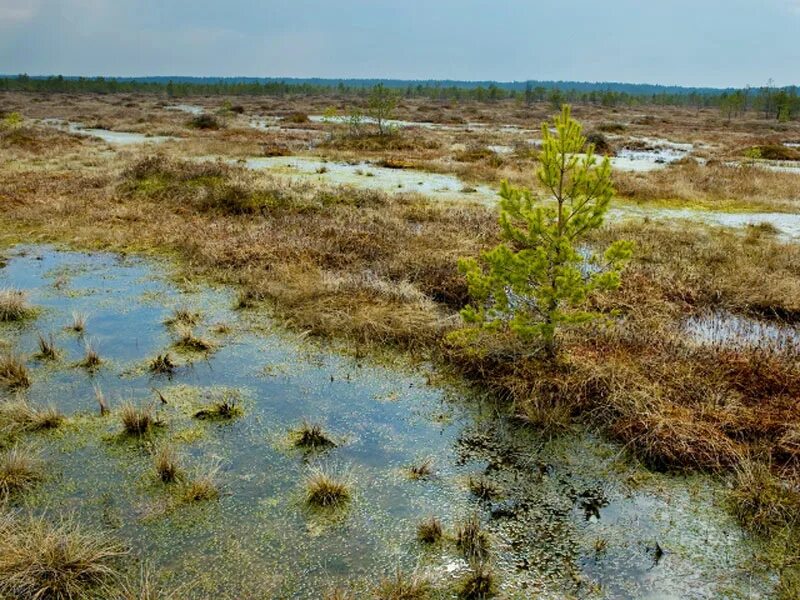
(402, 586)
(47, 347)
(138, 420)
(19, 471)
(14, 372)
(203, 487)
(430, 531)
(184, 316)
(20, 416)
(78, 324)
(91, 358)
(14, 306)
(187, 340)
(162, 365)
(483, 488)
(479, 583)
(224, 408)
(326, 490)
(421, 470)
(472, 540)
(55, 561)
(166, 463)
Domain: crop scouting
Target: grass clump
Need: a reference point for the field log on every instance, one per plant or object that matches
(13, 372)
(402, 586)
(761, 501)
(479, 583)
(203, 487)
(78, 324)
(19, 471)
(14, 306)
(20, 416)
(138, 420)
(204, 121)
(167, 464)
(40, 560)
(311, 436)
(326, 490)
(162, 365)
(225, 408)
(187, 340)
(483, 488)
(430, 531)
(91, 358)
(184, 316)
(422, 470)
(472, 540)
(47, 347)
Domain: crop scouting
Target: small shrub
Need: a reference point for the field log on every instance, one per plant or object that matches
(325, 490)
(204, 121)
(14, 305)
(18, 472)
(312, 437)
(54, 561)
(430, 531)
(13, 372)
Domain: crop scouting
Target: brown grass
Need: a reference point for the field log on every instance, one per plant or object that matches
(14, 306)
(326, 490)
(13, 372)
(19, 471)
(21, 416)
(55, 561)
(402, 586)
(138, 420)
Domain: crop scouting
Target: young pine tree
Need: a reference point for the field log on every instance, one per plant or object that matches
(537, 279)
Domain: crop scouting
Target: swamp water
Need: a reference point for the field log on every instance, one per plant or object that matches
(573, 517)
(115, 138)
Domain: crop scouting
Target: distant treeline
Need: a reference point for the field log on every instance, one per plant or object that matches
(780, 103)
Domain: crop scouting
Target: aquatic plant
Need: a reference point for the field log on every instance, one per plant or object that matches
(311, 436)
(54, 561)
(101, 400)
(19, 470)
(167, 463)
(162, 365)
(402, 586)
(13, 372)
(138, 420)
(14, 305)
(47, 347)
(325, 489)
(472, 540)
(422, 469)
(430, 531)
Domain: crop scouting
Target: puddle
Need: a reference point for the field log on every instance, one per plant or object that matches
(117, 138)
(571, 522)
(367, 175)
(722, 328)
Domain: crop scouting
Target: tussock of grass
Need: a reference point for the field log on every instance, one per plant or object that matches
(55, 561)
(187, 340)
(184, 316)
(483, 488)
(13, 372)
(422, 470)
(20, 416)
(138, 420)
(14, 306)
(472, 540)
(311, 436)
(225, 408)
(91, 358)
(402, 586)
(162, 365)
(430, 531)
(761, 501)
(326, 490)
(167, 464)
(47, 347)
(479, 583)
(203, 487)
(19, 471)
(78, 324)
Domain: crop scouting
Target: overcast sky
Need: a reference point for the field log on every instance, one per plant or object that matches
(687, 42)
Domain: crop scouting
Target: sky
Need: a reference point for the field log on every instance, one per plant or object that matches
(716, 43)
